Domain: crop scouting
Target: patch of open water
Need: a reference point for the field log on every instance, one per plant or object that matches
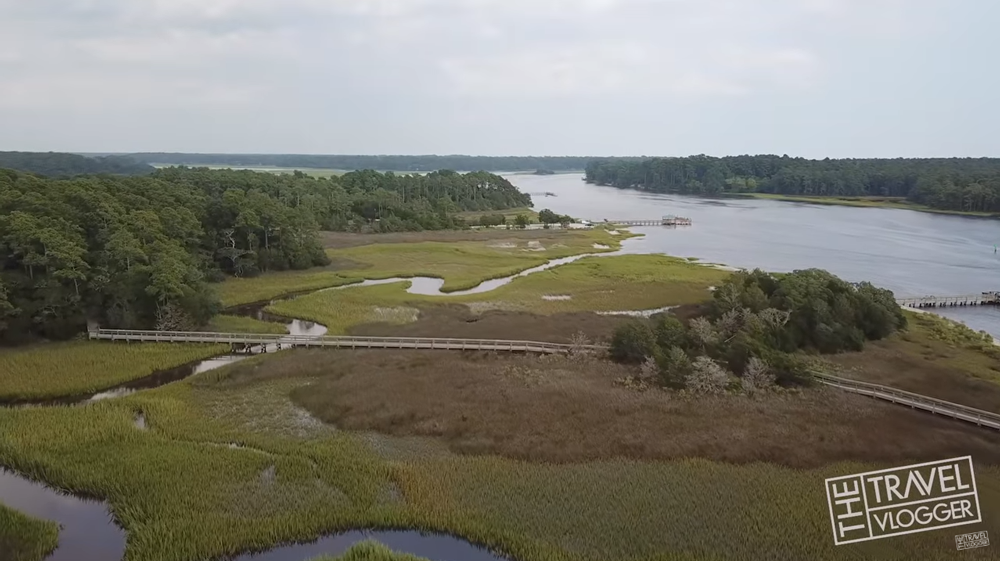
(89, 532)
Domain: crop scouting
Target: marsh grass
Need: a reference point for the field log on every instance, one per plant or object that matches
(866, 202)
(691, 509)
(935, 356)
(626, 282)
(184, 494)
(371, 551)
(462, 264)
(23, 538)
(78, 368)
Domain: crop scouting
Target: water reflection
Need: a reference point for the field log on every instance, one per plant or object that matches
(88, 531)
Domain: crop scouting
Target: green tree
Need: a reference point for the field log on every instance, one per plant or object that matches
(632, 343)
(522, 221)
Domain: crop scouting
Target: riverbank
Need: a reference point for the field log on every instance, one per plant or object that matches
(540, 458)
(864, 202)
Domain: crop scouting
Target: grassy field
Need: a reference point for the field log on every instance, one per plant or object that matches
(462, 264)
(183, 493)
(25, 539)
(871, 202)
(69, 369)
(240, 324)
(936, 357)
(627, 282)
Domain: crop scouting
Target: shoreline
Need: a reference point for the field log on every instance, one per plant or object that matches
(860, 202)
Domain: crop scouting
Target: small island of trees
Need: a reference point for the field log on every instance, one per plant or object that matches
(755, 331)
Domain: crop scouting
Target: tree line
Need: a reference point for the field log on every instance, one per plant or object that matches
(140, 252)
(962, 184)
(57, 164)
(385, 163)
(752, 332)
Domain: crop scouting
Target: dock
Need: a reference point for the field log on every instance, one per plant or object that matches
(665, 221)
(983, 299)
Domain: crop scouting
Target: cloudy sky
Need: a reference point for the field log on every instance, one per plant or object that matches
(814, 78)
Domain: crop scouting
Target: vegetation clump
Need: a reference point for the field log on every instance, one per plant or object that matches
(755, 327)
(23, 538)
(546, 216)
(371, 550)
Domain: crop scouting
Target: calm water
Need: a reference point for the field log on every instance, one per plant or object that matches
(911, 253)
(88, 531)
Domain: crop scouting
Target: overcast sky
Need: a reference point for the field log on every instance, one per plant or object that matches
(814, 78)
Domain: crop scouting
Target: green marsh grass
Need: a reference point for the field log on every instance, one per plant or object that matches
(184, 494)
(602, 284)
(371, 551)
(462, 265)
(866, 202)
(77, 368)
(23, 538)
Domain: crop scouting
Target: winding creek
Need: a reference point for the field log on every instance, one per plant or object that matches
(88, 531)
(911, 253)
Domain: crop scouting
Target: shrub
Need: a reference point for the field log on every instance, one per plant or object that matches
(632, 343)
(757, 376)
(707, 377)
(674, 367)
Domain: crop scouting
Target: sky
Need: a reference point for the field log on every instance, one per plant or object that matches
(813, 78)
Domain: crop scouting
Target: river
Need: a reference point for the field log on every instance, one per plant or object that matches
(911, 253)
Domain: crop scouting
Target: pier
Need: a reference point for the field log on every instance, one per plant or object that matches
(983, 299)
(665, 221)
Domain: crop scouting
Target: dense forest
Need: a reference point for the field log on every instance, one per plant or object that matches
(757, 323)
(963, 184)
(384, 163)
(57, 164)
(139, 252)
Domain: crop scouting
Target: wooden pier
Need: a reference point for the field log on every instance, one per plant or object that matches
(665, 221)
(984, 299)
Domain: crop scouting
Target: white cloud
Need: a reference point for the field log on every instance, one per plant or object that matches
(327, 64)
(83, 91)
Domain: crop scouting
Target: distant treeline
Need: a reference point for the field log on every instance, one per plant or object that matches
(384, 163)
(963, 184)
(56, 164)
(138, 252)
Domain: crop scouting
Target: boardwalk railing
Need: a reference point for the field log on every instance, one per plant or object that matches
(983, 299)
(434, 343)
(913, 400)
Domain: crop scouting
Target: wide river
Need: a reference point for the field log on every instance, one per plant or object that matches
(911, 253)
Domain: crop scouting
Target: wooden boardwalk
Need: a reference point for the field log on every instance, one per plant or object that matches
(247, 339)
(913, 400)
(665, 221)
(886, 393)
(983, 299)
